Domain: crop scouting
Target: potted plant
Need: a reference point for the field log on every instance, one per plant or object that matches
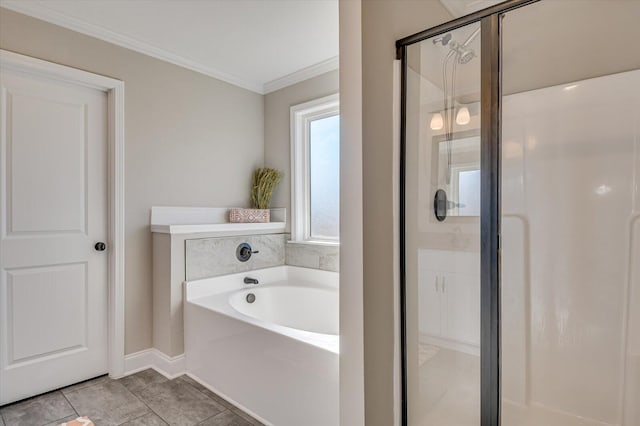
(263, 183)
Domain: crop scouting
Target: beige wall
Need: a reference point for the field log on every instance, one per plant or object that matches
(190, 140)
(383, 22)
(277, 141)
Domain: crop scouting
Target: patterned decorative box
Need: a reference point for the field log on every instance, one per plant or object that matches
(237, 215)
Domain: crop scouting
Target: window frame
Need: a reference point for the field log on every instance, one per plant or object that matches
(301, 116)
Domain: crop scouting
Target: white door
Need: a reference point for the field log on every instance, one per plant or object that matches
(53, 211)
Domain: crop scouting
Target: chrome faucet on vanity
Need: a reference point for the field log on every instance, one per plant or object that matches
(249, 280)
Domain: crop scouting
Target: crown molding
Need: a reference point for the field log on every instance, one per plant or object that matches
(48, 15)
(301, 75)
(45, 14)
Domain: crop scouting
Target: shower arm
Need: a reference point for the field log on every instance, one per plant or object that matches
(471, 37)
(461, 48)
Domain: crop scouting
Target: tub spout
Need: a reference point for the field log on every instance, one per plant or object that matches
(248, 280)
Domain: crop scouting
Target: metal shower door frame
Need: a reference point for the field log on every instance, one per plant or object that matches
(490, 208)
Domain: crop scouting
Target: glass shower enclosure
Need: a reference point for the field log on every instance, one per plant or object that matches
(520, 217)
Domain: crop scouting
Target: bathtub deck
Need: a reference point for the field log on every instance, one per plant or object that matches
(144, 398)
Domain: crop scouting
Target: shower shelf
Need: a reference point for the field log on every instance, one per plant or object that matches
(221, 228)
(210, 220)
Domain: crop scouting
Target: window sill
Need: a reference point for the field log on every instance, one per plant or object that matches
(316, 243)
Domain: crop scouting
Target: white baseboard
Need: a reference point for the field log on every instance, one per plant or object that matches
(170, 367)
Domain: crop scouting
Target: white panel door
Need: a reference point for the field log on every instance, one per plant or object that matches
(53, 207)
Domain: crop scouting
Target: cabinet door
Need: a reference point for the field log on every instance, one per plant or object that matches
(461, 293)
(429, 303)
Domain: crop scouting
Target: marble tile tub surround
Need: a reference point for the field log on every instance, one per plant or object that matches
(211, 257)
(316, 256)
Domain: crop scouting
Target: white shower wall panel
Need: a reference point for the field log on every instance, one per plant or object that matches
(632, 376)
(570, 200)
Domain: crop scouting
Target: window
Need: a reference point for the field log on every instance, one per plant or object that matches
(465, 184)
(457, 162)
(315, 170)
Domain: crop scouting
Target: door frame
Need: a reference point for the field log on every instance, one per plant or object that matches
(490, 208)
(115, 183)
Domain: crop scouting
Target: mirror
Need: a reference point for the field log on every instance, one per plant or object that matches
(458, 172)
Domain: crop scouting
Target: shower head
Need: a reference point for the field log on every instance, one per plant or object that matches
(465, 55)
(445, 39)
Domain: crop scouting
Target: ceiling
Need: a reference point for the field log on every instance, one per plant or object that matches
(261, 45)
(460, 8)
(539, 49)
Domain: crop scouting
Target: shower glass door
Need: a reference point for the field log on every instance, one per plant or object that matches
(571, 214)
(442, 229)
(520, 201)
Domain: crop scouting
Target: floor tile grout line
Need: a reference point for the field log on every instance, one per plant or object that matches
(198, 390)
(142, 415)
(208, 418)
(253, 420)
(147, 405)
(189, 385)
(70, 405)
(135, 394)
(215, 415)
(6, 422)
(88, 382)
(203, 394)
(146, 386)
(233, 410)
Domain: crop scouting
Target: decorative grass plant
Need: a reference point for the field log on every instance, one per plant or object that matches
(263, 183)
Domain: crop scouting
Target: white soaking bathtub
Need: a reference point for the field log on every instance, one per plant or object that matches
(276, 358)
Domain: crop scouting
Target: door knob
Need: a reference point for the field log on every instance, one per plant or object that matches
(100, 246)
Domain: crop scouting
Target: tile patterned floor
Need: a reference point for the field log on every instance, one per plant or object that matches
(143, 399)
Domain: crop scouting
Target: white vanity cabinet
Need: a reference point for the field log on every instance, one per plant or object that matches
(430, 300)
(449, 299)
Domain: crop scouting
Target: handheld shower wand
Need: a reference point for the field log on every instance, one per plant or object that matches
(459, 53)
